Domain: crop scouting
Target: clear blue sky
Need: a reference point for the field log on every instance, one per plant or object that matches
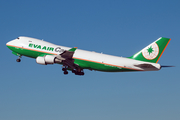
(29, 91)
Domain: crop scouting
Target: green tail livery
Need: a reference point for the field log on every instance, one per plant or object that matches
(152, 52)
(76, 60)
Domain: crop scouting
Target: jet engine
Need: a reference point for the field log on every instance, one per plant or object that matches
(47, 59)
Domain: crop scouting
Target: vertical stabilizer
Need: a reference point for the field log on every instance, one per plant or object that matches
(152, 52)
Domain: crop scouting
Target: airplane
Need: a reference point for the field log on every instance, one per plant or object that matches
(76, 60)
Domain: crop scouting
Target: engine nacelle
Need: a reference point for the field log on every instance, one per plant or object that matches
(40, 60)
(47, 59)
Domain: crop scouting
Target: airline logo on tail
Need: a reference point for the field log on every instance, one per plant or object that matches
(151, 52)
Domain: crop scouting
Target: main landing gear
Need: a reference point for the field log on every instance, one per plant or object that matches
(76, 72)
(18, 60)
(65, 70)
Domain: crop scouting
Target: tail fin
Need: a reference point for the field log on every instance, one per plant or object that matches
(152, 52)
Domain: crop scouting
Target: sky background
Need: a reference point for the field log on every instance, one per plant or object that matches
(29, 91)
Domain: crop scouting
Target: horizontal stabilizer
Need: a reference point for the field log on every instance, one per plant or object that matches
(149, 67)
(145, 66)
(166, 66)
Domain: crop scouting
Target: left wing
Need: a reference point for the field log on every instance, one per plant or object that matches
(68, 62)
(68, 54)
(65, 58)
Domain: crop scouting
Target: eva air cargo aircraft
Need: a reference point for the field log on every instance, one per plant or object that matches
(76, 60)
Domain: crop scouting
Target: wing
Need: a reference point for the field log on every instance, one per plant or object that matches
(68, 54)
(67, 59)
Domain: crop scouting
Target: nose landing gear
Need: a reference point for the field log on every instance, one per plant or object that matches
(18, 60)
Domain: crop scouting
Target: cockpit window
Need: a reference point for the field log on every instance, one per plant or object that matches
(30, 41)
(18, 38)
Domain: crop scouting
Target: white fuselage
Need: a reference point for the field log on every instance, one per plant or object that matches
(109, 60)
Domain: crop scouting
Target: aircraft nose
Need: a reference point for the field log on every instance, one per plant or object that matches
(10, 43)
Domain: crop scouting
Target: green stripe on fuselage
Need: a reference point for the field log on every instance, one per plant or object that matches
(26, 52)
(99, 66)
(85, 64)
